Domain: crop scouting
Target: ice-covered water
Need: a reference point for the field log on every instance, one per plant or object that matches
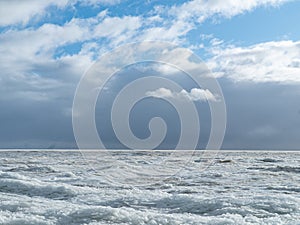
(65, 188)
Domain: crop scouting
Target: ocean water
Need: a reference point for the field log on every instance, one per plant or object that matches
(54, 187)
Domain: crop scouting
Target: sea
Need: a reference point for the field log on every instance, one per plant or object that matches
(149, 187)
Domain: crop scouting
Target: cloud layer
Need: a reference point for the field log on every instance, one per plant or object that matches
(44, 51)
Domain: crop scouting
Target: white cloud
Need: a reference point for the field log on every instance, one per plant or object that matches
(117, 29)
(202, 9)
(216, 41)
(172, 31)
(28, 69)
(196, 94)
(23, 52)
(48, 37)
(160, 93)
(20, 12)
(99, 2)
(31, 51)
(28, 43)
(182, 18)
(264, 62)
(14, 11)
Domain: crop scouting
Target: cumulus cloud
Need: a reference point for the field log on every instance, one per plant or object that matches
(30, 53)
(160, 93)
(264, 62)
(196, 94)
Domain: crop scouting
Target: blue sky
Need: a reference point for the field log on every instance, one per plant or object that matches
(252, 47)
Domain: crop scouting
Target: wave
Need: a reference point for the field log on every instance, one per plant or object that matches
(288, 169)
(284, 189)
(270, 160)
(36, 169)
(13, 184)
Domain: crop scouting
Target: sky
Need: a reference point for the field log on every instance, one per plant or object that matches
(251, 47)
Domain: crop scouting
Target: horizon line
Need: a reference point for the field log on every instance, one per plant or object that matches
(140, 150)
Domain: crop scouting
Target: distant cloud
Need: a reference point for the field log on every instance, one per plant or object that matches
(195, 94)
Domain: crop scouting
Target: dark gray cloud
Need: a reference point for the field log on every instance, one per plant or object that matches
(262, 115)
